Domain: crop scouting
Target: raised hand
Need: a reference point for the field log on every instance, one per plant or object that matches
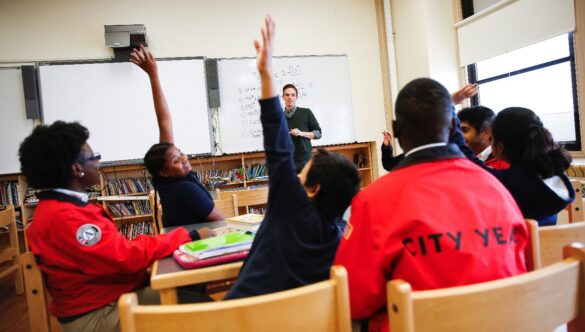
(144, 59)
(264, 50)
(465, 92)
(387, 137)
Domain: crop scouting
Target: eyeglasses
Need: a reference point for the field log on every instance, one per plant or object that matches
(94, 156)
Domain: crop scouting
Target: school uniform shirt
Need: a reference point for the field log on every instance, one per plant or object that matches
(184, 200)
(86, 262)
(426, 223)
(295, 244)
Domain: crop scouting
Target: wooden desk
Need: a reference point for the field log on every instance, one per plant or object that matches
(167, 275)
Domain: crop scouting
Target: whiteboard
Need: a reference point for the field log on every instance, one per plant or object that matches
(323, 84)
(14, 126)
(114, 101)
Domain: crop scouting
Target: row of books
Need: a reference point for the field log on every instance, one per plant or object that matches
(127, 186)
(9, 193)
(256, 172)
(130, 231)
(129, 208)
(212, 178)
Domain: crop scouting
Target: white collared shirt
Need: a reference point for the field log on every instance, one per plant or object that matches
(426, 146)
(483, 155)
(81, 196)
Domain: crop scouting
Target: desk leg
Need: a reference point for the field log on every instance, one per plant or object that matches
(168, 296)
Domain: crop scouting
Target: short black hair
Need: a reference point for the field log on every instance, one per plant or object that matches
(154, 159)
(338, 179)
(528, 144)
(290, 86)
(479, 117)
(47, 154)
(423, 111)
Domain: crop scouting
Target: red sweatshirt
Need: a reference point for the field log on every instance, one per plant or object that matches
(86, 262)
(433, 224)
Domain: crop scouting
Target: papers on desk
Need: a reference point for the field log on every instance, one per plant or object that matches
(218, 245)
(215, 250)
(247, 222)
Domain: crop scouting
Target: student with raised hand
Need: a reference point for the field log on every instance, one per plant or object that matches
(457, 97)
(476, 127)
(183, 198)
(296, 243)
(423, 222)
(86, 262)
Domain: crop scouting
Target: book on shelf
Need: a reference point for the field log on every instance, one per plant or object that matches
(218, 245)
(9, 193)
(249, 222)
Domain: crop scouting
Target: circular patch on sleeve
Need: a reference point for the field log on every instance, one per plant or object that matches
(88, 235)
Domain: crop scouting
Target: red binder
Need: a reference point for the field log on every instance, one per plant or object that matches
(190, 262)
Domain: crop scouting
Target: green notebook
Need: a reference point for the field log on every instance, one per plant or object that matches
(218, 245)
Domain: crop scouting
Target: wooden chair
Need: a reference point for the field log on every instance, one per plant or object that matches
(36, 297)
(156, 209)
(9, 254)
(323, 306)
(228, 206)
(575, 209)
(540, 300)
(246, 197)
(552, 239)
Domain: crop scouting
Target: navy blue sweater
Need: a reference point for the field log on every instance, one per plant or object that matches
(294, 245)
(184, 200)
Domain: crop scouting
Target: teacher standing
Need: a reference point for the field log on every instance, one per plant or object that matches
(302, 125)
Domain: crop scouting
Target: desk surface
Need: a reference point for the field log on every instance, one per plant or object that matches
(167, 273)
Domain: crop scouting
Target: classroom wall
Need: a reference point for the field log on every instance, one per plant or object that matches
(425, 41)
(36, 30)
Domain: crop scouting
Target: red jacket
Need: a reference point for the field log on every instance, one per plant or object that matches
(86, 274)
(433, 224)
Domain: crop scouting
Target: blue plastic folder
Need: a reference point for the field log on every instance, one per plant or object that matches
(218, 245)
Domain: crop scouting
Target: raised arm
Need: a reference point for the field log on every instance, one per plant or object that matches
(145, 60)
(264, 59)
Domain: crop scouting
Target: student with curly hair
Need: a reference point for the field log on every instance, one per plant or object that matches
(86, 262)
(183, 198)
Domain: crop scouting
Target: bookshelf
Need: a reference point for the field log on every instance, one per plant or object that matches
(12, 192)
(124, 194)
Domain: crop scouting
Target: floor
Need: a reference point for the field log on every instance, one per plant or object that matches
(13, 309)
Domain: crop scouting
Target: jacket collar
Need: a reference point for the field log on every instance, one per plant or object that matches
(431, 154)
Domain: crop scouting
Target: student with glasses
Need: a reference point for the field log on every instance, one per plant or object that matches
(86, 262)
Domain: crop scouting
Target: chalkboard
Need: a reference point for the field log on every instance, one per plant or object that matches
(114, 101)
(14, 126)
(323, 84)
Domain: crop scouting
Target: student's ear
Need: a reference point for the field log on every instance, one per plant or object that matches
(452, 126)
(395, 128)
(498, 150)
(77, 170)
(312, 191)
(163, 173)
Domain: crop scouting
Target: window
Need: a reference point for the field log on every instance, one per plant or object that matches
(540, 77)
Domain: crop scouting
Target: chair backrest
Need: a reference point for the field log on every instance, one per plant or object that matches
(323, 306)
(247, 197)
(36, 297)
(575, 209)
(540, 300)
(228, 206)
(9, 253)
(552, 239)
(156, 209)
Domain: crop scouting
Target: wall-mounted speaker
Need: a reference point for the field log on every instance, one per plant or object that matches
(31, 96)
(211, 75)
